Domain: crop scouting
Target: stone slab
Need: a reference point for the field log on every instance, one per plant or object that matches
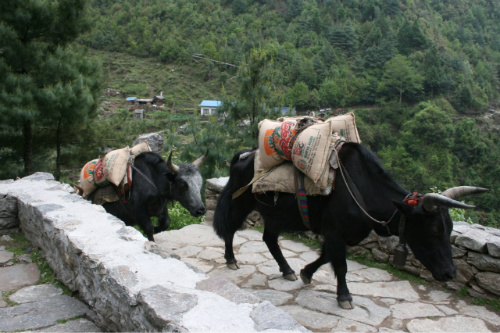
(414, 310)
(77, 325)
(314, 320)
(40, 314)
(17, 276)
(276, 297)
(447, 324)
(35, 293)
(395, 289)
(365, 310)
(5, 256)
(216, 184)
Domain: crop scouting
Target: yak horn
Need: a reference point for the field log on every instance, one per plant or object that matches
(199, 161)
(171, 165)
(433, 200)
(458, 192)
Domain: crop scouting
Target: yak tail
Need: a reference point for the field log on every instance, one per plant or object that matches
(222, 214)
(230, 214)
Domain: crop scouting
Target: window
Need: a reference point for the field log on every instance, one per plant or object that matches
(205, 112)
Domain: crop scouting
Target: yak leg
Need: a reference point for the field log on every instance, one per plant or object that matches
(271, 240)
(143, 220)
(238, 214)
(164, 221)
(307, 272)
(336, 253)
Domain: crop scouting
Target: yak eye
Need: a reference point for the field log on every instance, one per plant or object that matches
(183, 185)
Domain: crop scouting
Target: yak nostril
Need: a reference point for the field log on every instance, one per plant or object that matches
(201, 211)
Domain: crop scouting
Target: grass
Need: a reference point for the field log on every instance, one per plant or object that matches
(492, 303)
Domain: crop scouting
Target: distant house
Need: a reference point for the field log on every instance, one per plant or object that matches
(287, 111)
(159, 100)
(207, 108)
(145, 101)
(131, 100)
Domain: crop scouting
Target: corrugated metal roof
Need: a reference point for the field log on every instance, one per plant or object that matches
(131, 99)
(209, 103)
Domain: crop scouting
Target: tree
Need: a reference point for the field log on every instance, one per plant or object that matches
(256, 98)
(44, 80)
(299, 96)
(401, 78)
(410, 38)
(433, 71)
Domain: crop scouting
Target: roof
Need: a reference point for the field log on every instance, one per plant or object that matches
(213, 104)
(131, 99)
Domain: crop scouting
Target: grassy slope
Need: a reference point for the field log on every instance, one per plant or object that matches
(183, 85)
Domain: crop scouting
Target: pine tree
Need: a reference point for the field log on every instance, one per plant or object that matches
(43, 79)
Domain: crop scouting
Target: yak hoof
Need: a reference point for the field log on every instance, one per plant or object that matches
(304, 278)
(347, 304)
(233, 266)
(290, 277)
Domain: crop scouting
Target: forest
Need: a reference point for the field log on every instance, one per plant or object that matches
(422, 77)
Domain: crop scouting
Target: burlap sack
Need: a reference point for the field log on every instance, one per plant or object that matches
(115, 165)
(311, 150)
(345, 125)
(140, 148)
(267, 155)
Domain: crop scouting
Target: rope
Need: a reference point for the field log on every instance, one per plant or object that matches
(341, 167)
(145, 177)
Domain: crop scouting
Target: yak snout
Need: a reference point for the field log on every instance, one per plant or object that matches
(446, 275)
(200, 211)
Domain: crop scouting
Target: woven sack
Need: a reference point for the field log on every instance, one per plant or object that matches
(311, 150)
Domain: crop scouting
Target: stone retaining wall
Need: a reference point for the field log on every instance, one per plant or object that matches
(475, 249)
(130, 283)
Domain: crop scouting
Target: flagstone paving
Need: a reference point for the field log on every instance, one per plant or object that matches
(383, 302)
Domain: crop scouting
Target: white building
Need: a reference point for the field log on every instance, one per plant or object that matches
(207, 108)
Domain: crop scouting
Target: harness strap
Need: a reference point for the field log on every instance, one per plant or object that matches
(258, 176)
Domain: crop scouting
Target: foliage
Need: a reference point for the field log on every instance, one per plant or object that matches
(180, 217)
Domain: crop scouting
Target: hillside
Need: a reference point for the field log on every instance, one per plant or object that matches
(337, 53)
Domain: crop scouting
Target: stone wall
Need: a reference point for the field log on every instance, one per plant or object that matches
(475, 250)
(129, 282)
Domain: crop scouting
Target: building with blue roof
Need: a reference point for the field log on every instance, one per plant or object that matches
(208, 107)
